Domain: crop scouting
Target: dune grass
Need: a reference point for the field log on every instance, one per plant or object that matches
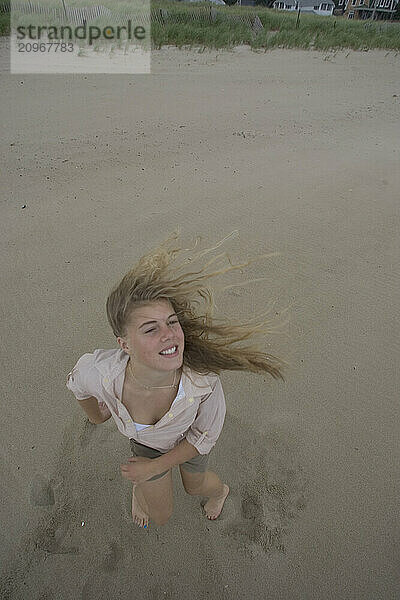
(173, 24)
(280, 29)
(4, 24)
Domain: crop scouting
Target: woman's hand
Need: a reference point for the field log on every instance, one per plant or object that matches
(139, 469)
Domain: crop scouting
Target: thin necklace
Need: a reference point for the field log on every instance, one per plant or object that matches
(153, 387)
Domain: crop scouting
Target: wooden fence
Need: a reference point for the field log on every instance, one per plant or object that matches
(80, 15)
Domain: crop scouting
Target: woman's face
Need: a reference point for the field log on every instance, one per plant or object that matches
(153, 328)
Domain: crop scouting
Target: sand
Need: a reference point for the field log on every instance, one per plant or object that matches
(298, 151)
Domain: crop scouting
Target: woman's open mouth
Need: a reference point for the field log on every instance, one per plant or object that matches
(171, 353)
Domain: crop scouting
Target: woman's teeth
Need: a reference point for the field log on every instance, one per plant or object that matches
(171, 351)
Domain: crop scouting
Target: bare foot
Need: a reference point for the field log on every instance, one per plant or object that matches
(138, 514)
(213, 506)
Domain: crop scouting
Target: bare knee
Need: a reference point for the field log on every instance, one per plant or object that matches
(156, 498)
(193, 483)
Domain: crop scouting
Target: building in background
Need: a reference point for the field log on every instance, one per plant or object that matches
(324, 8)
(376, 10)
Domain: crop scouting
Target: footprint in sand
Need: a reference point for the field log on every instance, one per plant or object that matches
(50, 536)
(86, 434)
(114, 556)
(42, 493)
(267, 505)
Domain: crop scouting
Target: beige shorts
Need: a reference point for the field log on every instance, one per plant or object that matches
(198, 464)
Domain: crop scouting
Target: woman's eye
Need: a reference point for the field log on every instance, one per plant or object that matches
(171, 323)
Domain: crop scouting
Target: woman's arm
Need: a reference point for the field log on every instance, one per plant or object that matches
(97, 412)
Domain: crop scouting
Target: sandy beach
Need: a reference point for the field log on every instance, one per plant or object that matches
(299, 151)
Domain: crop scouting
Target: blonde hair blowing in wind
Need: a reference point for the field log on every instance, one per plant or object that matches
(209, 346)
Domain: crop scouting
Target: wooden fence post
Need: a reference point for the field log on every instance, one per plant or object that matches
(298, 16)
(65, 10)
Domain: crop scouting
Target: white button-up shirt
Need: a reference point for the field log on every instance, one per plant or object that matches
(197, 412)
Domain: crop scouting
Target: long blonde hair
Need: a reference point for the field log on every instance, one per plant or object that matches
(153, 278)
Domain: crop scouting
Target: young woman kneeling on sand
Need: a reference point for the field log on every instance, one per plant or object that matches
(162, 385)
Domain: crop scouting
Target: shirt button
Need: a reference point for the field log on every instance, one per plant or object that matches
(190, 400)
(129, 421)
(205, 433)
(170, 415)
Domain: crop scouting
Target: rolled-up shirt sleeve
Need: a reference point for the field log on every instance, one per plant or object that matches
(207, 426)
(78, 380)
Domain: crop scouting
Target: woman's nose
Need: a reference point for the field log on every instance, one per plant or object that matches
(166, 332)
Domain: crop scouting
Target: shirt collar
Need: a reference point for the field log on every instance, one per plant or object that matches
(111, 363)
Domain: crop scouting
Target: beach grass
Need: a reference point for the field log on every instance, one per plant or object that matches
(214, 26)
(4, 24)
(280, 29)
